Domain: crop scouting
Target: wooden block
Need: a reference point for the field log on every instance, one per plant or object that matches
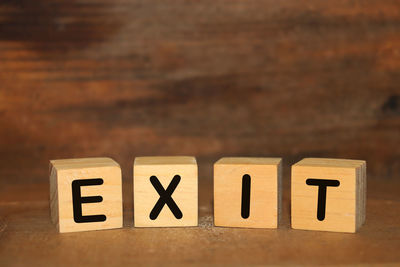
(328, 194)
(165, 191)
(85, 194)
(247, 192)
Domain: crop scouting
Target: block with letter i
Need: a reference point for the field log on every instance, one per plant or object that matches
(247, 192)
(165, 191)
(85, 194)
(328, 194)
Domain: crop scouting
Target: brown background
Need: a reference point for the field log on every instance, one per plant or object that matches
(207, 78)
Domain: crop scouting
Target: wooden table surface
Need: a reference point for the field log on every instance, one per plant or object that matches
(28, 237)
(212, 78)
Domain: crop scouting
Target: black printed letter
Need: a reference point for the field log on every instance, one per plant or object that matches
(322, 184)
(246, 182)
(77, 201)
(165, 197)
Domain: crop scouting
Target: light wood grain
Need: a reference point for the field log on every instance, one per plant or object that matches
(345, 204)
(185, 195)
(265, 193)
(64, 172)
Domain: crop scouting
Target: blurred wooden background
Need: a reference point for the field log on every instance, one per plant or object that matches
(120, 78)
(126, 78)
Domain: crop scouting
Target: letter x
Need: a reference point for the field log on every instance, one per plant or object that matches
(165, 197)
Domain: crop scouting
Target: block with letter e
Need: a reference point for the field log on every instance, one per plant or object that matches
(165, 191)
(85, 194)
(328, 194)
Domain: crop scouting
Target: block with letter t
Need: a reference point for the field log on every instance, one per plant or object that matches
(328, 194)
(85, 194)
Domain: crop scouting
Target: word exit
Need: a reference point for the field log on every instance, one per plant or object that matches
(327, 194)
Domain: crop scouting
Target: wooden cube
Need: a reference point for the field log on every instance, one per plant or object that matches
(328, 194)
(85, 194)
(247, 192)
(165, 191)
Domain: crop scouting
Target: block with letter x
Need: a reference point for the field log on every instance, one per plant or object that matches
(328, 194)
(85, 194)
(165, 191)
